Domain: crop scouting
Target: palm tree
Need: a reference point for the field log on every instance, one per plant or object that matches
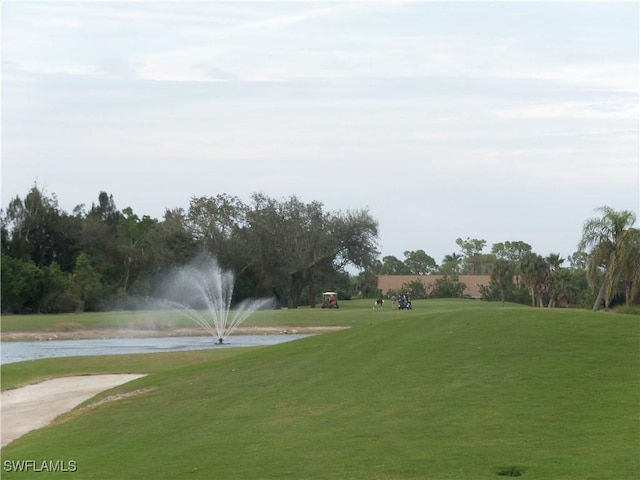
(628, 268)
(451, 264)
(562, 290)
(613, 246)
(502, 276)
(534, 272)
(554, 287)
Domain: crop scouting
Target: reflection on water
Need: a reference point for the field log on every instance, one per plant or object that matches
(20, 351)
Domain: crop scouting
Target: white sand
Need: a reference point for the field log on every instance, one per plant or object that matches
(34, 406)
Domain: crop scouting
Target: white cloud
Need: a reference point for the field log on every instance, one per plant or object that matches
(417, 107)
(595, 110)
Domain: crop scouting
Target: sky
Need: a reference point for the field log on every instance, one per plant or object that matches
(500, 121)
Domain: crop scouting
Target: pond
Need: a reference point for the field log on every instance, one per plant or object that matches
(12, 352)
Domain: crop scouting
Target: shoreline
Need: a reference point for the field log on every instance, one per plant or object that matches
(105, 333)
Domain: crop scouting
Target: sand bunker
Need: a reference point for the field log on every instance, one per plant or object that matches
(34, 406)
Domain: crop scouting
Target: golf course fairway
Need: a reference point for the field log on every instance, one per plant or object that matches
(470, 393)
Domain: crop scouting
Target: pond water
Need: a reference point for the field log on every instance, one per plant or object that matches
(12, 352)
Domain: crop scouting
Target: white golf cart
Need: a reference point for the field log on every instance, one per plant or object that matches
(330, 300)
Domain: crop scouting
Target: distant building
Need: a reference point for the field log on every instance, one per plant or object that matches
(395, 282)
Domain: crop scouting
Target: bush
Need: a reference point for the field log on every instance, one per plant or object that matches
(448, 288)
(628, 309)
(415, 288)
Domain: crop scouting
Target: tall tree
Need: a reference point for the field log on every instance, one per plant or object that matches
(607, 238)
(556, 287)
(36, 229)
(135, 247)
(451, 264)
(627, 268)
(86, 285)
(419, 262)
(534, 272)
(502, 277)
(472, 254)
(566, 287)
(578, 260)
(214, 223)
(366, 284)
(100, 239)
(290, 242)
(392, 265)
(174, 243)
(511, 251)
(105, 210)
(21, 285)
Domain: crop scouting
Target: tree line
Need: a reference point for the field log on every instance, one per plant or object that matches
(100, 257)
(603, 271)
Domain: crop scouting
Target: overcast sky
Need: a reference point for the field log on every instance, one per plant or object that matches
(499, 121)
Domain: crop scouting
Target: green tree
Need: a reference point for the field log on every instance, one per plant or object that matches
(607, 238)
(100, 240)
(323, 273)
(534, 272)
(627, 266)
(555, 286)
(21, 284)
(174, 244)
(56, 295)
(578, 260)
(511, 251)
(447, 287)
(86, 286)
(366, 284)
(105, 210)
(451, 264)
(502, 276)
(215, 223)
(419, 262)
(34, 228)
(415, 288)
(566, 287)
(290, 243)
(135, 246)
(394, 266)
(474, 262)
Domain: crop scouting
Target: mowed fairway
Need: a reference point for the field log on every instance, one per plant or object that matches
(436, 394)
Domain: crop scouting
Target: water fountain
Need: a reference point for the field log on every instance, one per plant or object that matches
(202, 291)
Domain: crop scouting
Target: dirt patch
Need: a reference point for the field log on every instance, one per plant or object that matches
(111, 398)
(119, 396)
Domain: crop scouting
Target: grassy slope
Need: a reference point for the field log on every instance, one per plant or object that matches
(21, 373)
(350, 313)
(456, 394)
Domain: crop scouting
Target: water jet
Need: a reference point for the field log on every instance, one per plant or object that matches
(202, 291)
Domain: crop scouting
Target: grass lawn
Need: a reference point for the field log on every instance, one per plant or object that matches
(350, 313)
(21, 373)
(449, 390)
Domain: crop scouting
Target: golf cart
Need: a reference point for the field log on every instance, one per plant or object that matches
(330, 300)
(404, 302)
